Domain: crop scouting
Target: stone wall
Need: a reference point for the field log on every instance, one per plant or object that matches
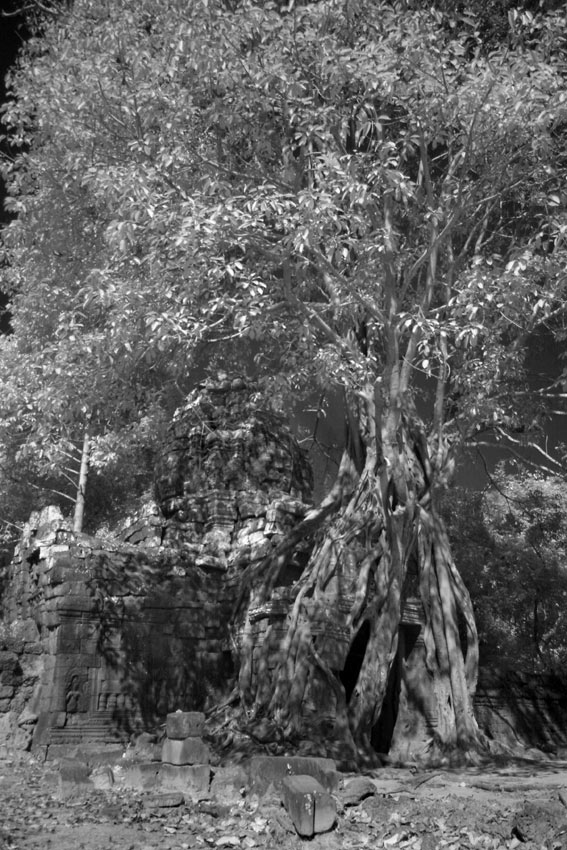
(102, 638)
(524, 709)
(102, 641)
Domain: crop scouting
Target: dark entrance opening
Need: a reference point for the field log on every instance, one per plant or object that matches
(383, 730)
(354, 659)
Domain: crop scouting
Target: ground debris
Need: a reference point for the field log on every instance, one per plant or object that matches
(445, 811)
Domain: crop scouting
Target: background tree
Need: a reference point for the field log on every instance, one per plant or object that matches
(511, 546)
(362, 194)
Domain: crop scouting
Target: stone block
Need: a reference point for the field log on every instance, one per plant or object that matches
(76, 605)
(142, 775)
(184, 724)
(191, 779)
(28, 633)
(8, 661)
(311, 808)
(189, 751)
(11, 678)
(268, 772)
(69, 637)
(49, 619)
(102, 778)
(164, 801)
(73, 776)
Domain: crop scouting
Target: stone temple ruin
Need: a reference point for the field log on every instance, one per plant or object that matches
(102, 638)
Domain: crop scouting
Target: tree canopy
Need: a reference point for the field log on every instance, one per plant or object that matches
(364, 195)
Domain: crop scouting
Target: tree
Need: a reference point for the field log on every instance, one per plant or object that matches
(88, 368)
(510, 543)
(363, 196)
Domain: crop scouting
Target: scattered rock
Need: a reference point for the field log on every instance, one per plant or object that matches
(213, 808)
(539, 822)
(430, 809)
(102, 778)
(311, 808)
(164, 801)
(357, 790)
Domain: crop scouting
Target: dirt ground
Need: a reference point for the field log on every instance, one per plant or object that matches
(521, 803)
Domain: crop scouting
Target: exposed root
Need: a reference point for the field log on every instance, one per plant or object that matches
(372, 528)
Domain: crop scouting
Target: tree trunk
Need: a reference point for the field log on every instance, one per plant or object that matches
(356, 578)
(79, 513)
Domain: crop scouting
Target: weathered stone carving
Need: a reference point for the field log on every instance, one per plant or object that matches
(232, 478)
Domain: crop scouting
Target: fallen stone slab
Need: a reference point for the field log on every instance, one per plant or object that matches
(266, 773)
(184, 724)
(357, 790)
(164, 801)
(311, 808)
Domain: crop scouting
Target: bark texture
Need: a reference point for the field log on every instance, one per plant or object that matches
(379, 521)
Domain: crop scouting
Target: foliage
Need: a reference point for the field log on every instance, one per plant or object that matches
(309, 180)
(510, 543)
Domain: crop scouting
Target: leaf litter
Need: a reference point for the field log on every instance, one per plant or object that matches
(450, 815)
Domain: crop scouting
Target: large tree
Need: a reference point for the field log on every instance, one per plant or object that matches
(365, 196)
